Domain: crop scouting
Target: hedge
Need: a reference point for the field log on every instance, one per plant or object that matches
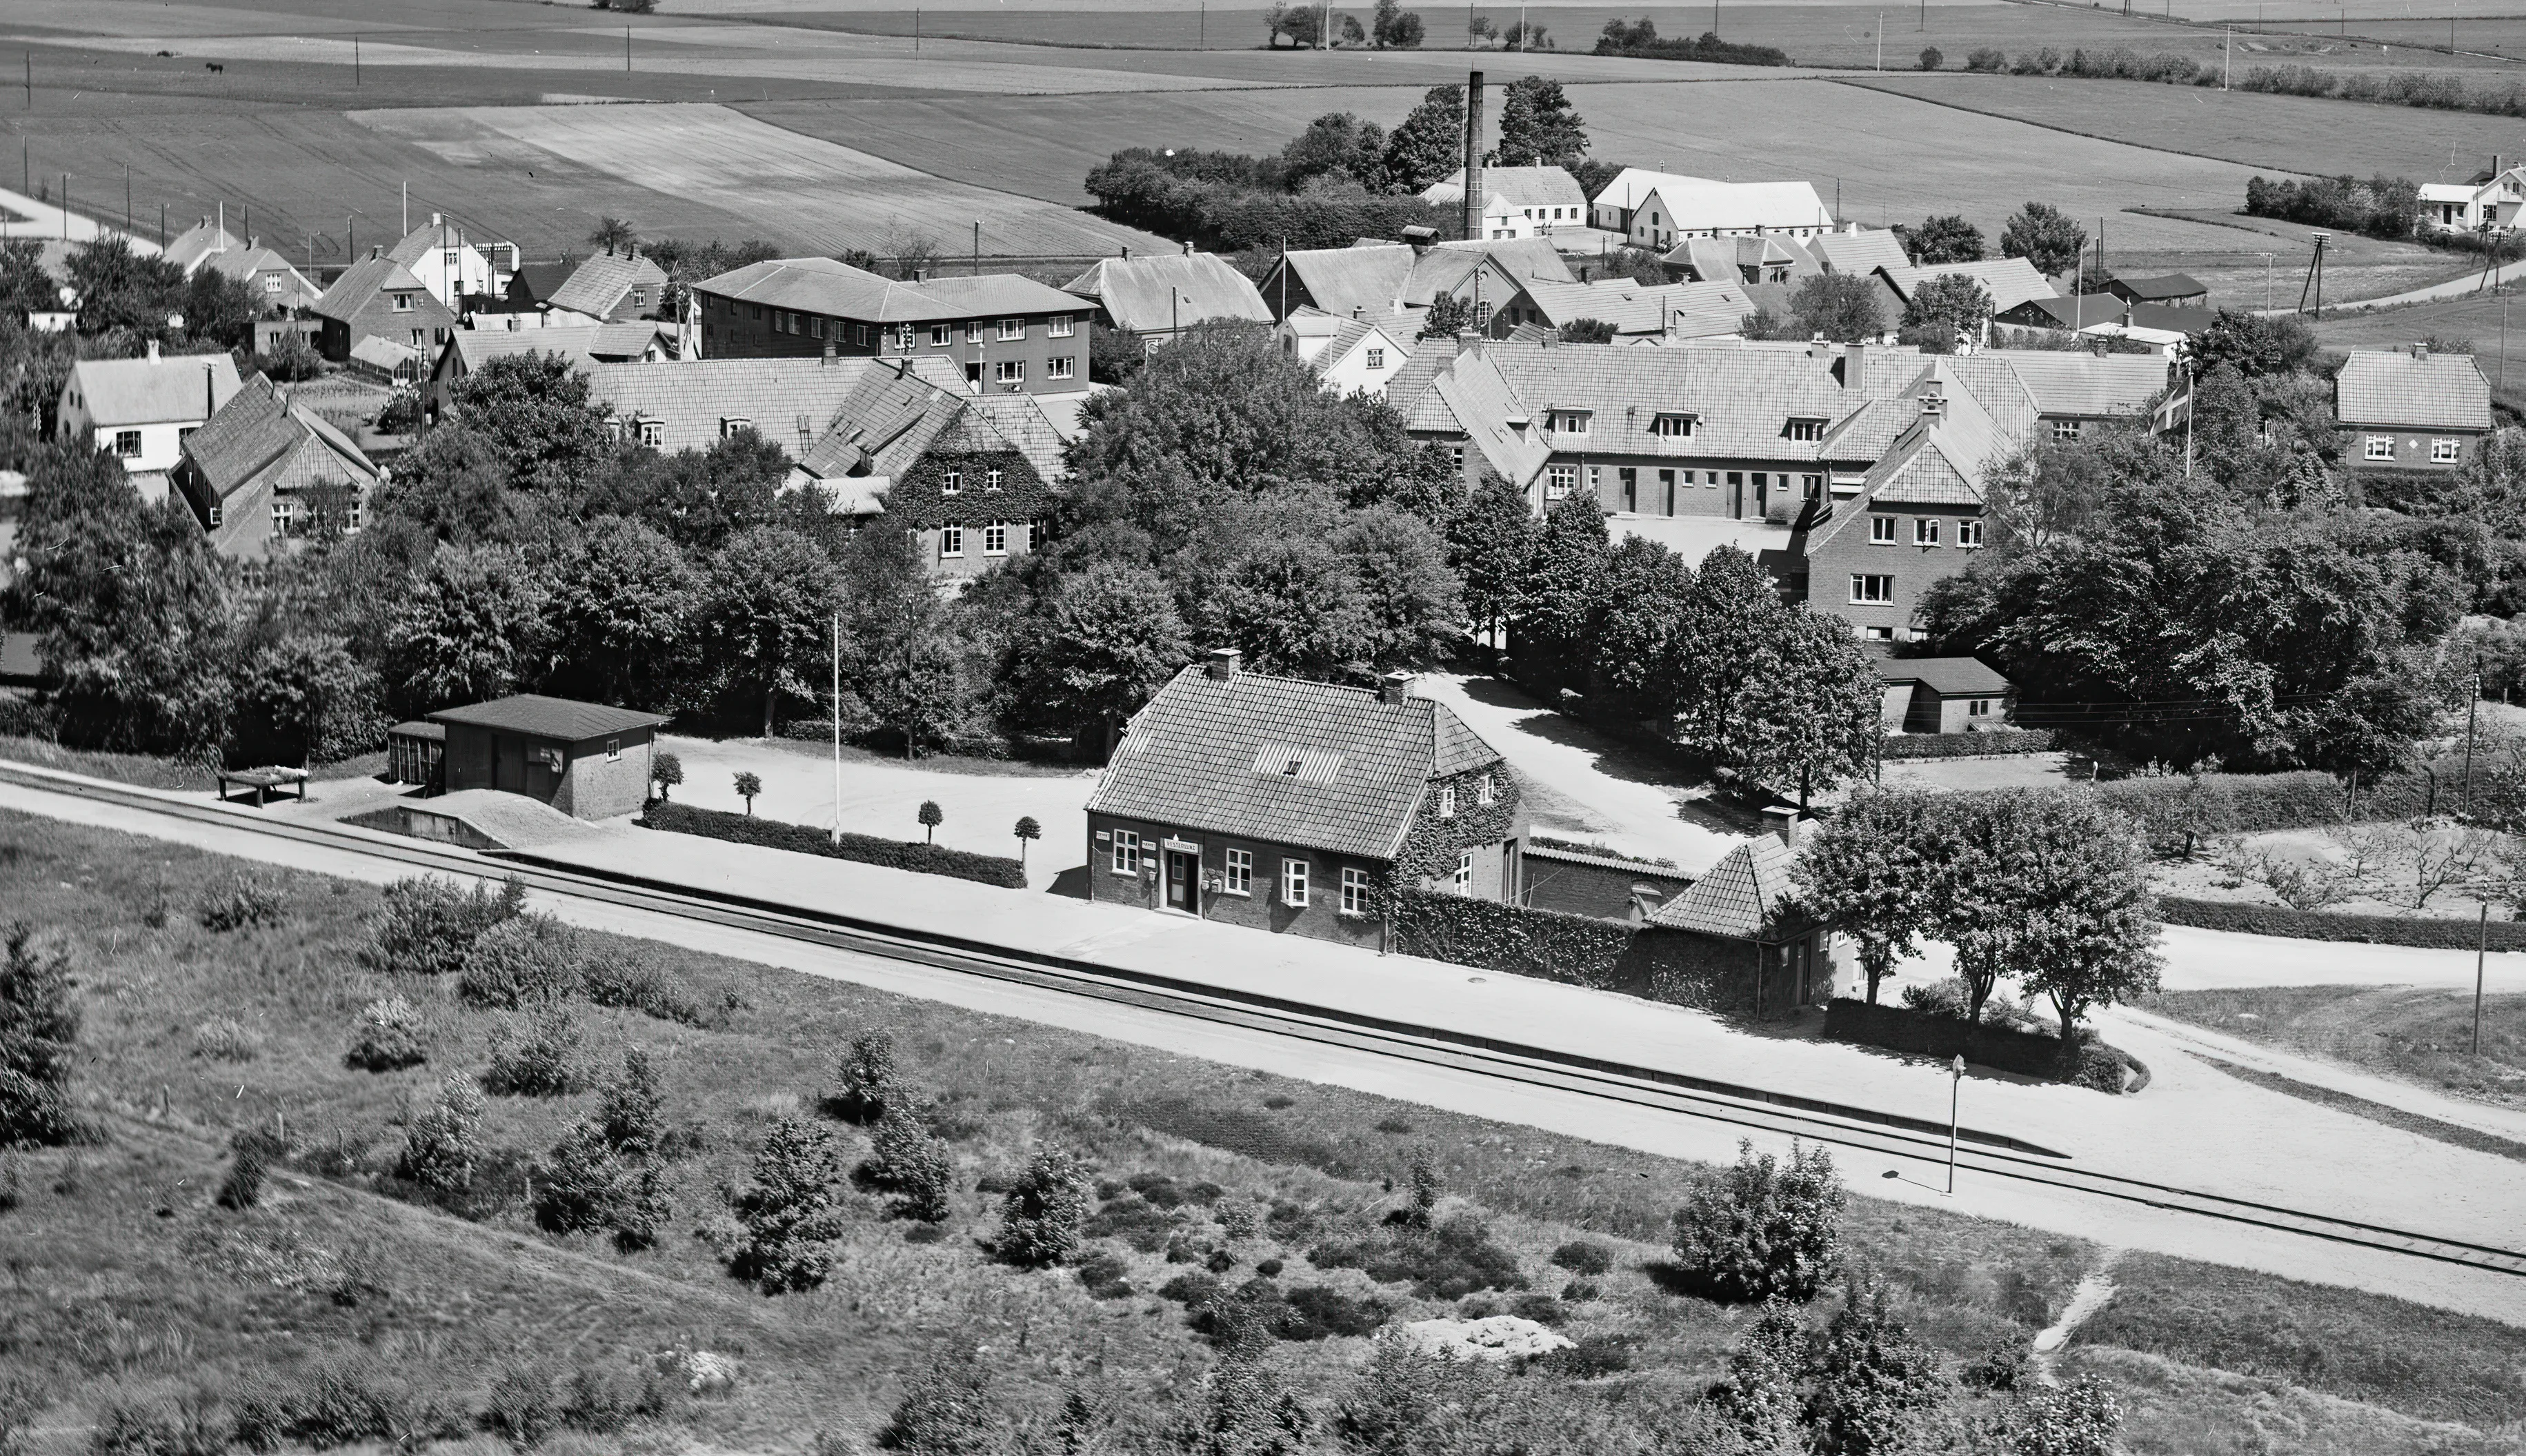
(2326, 925)
(1966, 745)
(1546, 945)
(2088, 1062)
(866, 849)
(2257, 803)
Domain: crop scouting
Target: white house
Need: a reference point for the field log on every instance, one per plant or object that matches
(450, 267)
(2494, 197)
(1352, 355)
(140, 409)
(1660, 209)
(1519, 201)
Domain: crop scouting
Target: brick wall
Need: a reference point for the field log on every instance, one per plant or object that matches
(1262, 907)
(1850, 552)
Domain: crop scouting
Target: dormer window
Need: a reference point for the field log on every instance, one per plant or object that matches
(1568, 421)
(730, 424)
(1672, 426)
(403, 303)
(654, 433)
(1804, 429)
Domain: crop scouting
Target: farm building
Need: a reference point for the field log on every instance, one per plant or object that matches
(1381, 278)
(1295, 807)
(1160, 294)
(1637, 312)
(2169, 290)
(1003, 332)
(2411, 408)
(266, 473)
(2009, 281)
(1660, 209)
(588, 760)
(140, 409)
(1942, 695)
(1518, 201)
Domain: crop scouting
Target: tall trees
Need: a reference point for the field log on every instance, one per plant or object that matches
(1637, 642)
(472, 627)
(1490, 542)
(1876, 871)
(1538, 127)
(1428, 145)
(1294, 607)
(1729, 618)
(1945, 310)
(1111, 638)
(2043, 235)
(766, 605)
(534, 411)
(623, 601)
(1562, 592)
(1395, 27)
(1840, 306)
(1811, 708)
(1944, 239)
(1336, 145)
(2079, 882)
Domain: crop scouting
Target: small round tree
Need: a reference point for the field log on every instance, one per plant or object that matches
(39, 1025)
(931, 817)
(1763, 1229)
(747, 786)
(788, 1214)
(1932, 58)
(1041, 1224)
(866, 1085)
(1026, 829)
(442, 1140)
(665, 771)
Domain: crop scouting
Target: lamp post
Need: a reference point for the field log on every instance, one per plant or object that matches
(1956, 1094)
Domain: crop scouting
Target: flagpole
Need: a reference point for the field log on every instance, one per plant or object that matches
(837, 727)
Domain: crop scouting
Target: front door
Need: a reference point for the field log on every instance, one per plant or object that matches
(1183, 883)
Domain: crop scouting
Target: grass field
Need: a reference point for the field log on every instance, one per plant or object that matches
(2417, 1034)
(2477, 319)
(130, 1285)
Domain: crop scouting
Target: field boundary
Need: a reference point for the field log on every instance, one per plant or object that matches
(1865, 84)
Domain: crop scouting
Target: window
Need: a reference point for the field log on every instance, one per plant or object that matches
(449, 260)
(1061, 367)
(731, 425)
(416, 338)
(1925, 531)
(1561, 482)
(1448, 802)
(1354, 892)
(1807, 430)
(1567, 422)
(640, 298)
(1012, 328)
(127, 443)
(951, 540)
(2443, 452)
(1976, 707)
(613, 749)
(994, 478)
(939, 334)
(2065, 429)
(216, 514)
(1710, 479)
(283, 513)
(954, 483)
(1672, 427)
(2381, 447)
(905, 342)
(403, 303)
(1294, 882)
(1969, 534)
(1814, 485)
(1058, 325)
(1237, 877)
(974, 331)
(1880, 531)
(1872, 591)
(995, 539)
(1464, 871)
(816, 328)
(271, 283)
(1456, 457)
(1010, 372)
(654, 433)
(1377, 359)
(1877, 633)
(1484, 791)
(1127, 852)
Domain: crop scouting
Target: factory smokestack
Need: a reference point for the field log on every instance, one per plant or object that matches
(1474, 155)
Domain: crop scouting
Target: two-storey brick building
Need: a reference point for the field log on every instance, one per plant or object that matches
(2411, 408)
(1005, 333)
(1300, 807)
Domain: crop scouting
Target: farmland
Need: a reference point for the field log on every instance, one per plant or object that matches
(2481, 321)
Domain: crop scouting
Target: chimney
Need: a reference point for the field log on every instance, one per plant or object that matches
(1395, 688)
(1127, 252)
(1359, 311)
(1933, 406)
(921, 274)
(1188, 247)
(2419, 351)
(829, 352)
(1221, 662)
(1474, 155)
(1421, 239)
(1469, 342)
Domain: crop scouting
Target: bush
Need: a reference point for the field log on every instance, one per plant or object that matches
(340, 1404)
(523, 1407)
(1584, 1256)
(1509, 939)
(1759, 1229)
(636, 978)
(39, 1027)
(539, 1064)
(1934, 1025)
(226, 1040)
(1456, 1259)
(1103, 1275)
(429, 924)
(526, 958)
(2326, 925)
(788, 1214)
(443, 1142)
(1987, 59)
(1931, 58)
(196, 1426)
(912, 1163)
(2381, 207)
(243, 903)
(1040, 1220)
(242, 1186)
(1901, 746)
(630, 1112)
(866, 1084)
(391, 1036)
(2079, 1419)
(867, 849)
(602, 1403)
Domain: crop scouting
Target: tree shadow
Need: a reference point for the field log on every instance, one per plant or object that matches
(1672, 1278)
(1072, 883)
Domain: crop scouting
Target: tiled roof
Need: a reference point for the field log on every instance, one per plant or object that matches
(1743, 399)
(2089, 310)
(417, 245)
(204, 239)
(547, 718)
(1632, 184)
(1863, 252)
(1691, 310)
(2391, 388)
(1948, 677)
(1376, 277)
(1139, 294)
(2164, 285)
(362, 282)
(1471, 397)
(1921, 471)
(2010, 281)
(1641, 868)
(597, 285)
(1697, 207)
(154, 391)
(542, 279)
(243, 263)
(1519, 187)
(1212, 755)
(582, 344)
(821, 285)
(790, 402)
(257, 429)
(1741, 898)
(2085, 385)
(1021, 420)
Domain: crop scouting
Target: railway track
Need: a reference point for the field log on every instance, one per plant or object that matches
(1980, 1152)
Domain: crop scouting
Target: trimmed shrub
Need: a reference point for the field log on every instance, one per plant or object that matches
(391, 1036)
(1935, 1030)
(430, 925)
(2326, 925)
(539, 1064)
(1986, 59)
(526, 960)
(1904, 746)
(1041, 1221)
(1760, 1229)
(242, 904)
(1546, 944)
(866, 849)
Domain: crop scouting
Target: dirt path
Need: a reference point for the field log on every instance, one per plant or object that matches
(2094, 1292)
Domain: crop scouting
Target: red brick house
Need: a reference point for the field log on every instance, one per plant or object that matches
(1005, 333)
(588, 760)
(1740, 927)
(2411, 408)
(1300, 807)
(377, 297)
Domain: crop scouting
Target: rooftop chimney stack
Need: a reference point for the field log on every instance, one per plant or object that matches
(1395, 688)
(1474, 155)
(1221, 662)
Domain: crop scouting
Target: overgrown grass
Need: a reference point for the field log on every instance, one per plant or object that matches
(144, 770)
(133, 1283)
(2421, 1033)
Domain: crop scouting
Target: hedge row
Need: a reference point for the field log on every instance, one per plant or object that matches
(2258, 803)
(2326, 925)
(1546, 944)
(866, 849)
(2088, 1062)
(1967, 745)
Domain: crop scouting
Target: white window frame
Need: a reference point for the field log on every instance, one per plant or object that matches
(1866, 592)
(1571, 422)
(953, 483)
(941, 335)
(1969, 534)
(1805, 431)
(730, 424)
(1976, 707)
(1011, 329)
(1486, 790)
(403, 303)
(994, 479)
(1059, 326)
(1061, 367)
(1672, 427)
(1880, 531)
(1008, 372)
(1925, 530)
(905, 340)
(284, 513)
(1465, 871)
(1447, 801)
(1127, 852)
(2381, 447)
(1559, 480)
(2065, 430)
(1376, 358)
(654, 433)
(217, 512)
(974, 331)
(996, 538)
(127, 445)
(1237, 871)
(951, 540)
(1294, 884)
(2443, 452)
(1355, 890)
(613, 750)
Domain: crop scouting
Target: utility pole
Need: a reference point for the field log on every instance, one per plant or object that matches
(162, 229)
(978, 247)
(1955, 1096)
(1201, 35)
(30, 80)
(916, 50)
(2472, 705)
(2481, 950)
(837, 727)
(1880, 40)
(407, 209)
(2227, 53)
(626, 50)
(127, 199)
(355, 63)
